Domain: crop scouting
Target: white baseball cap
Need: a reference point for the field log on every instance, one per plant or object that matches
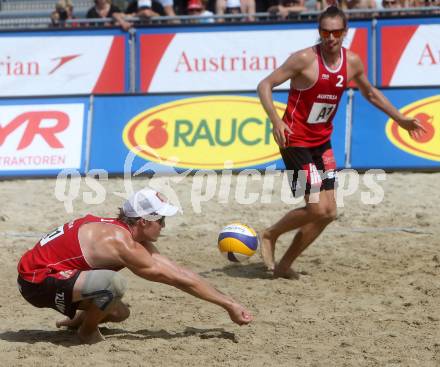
(148, 204)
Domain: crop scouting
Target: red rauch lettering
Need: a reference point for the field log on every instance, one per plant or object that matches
(225, 63)
(34, 120)
(10, 67)
(428, 56)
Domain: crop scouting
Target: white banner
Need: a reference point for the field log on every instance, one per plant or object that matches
(52, 65)
(419, 63)
(226, 61)
(41, 136)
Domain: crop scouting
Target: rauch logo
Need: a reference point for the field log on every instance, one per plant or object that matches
(427, 111)
(204, 133)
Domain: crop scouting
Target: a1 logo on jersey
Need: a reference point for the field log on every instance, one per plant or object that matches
(320, 112)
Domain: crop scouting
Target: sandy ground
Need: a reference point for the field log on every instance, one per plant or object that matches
(368, 294)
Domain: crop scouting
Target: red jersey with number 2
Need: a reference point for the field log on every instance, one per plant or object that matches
(59, 253)
(310, 112)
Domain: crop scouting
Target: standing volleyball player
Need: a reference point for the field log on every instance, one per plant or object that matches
(319, 76)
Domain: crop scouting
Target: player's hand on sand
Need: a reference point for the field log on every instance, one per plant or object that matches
(414, 127)
(239, 314)
(278, 133)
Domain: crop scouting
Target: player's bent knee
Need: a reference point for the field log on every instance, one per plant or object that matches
(118, 285)
(317, 211)
(126, 313)
(123, 312)
(103, 287)
(119, 312)
(322, 213)
(330, 214)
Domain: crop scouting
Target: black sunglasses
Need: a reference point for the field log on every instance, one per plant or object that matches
(161, 221)
(154, 217)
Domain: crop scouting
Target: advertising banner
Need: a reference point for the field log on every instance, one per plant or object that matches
(37, 64)
(42, 137)
(179, 132)
(378, 142)
(409, 54)
(212, 59)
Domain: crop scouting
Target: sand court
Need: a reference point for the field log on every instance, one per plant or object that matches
(368, 292)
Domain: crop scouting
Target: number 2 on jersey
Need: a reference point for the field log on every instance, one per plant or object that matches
(52, 235)
(340, 81)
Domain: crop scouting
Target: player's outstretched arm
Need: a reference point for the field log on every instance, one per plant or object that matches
(376, 97)
(291, 67)
(195, 285)
(157, 268)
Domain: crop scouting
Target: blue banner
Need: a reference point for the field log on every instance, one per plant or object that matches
(193, 131)
(378, 143)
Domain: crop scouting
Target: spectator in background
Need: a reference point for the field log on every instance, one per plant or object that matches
(426, 3)
(105, 9)
(227, 7)
(284, 8)
(168, 7)
(321, 5)
(248, 7)
(358, 4)
(145, 9)
(391, 4)
(121, 4)
(198, 8)
(63, 11)
(236, 7)
(347, 5)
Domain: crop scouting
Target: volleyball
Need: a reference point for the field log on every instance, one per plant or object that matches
(237, 242)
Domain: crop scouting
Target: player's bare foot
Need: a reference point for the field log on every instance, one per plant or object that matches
(285, 273)
(90, 338)
(71, 323)
(64, 322)
(268, 250)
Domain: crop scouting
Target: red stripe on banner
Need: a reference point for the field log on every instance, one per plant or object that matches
(152, 47)
(394, 41)
(112, 78)
(359, 45)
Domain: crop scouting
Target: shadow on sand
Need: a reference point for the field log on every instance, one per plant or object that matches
(243, 270)
(143, 334)
(64, 337)
(67, 338)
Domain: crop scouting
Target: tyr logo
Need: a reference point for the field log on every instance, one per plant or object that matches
(34, 126)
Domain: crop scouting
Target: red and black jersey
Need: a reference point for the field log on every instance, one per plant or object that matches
(59, 253)
(310, 112)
